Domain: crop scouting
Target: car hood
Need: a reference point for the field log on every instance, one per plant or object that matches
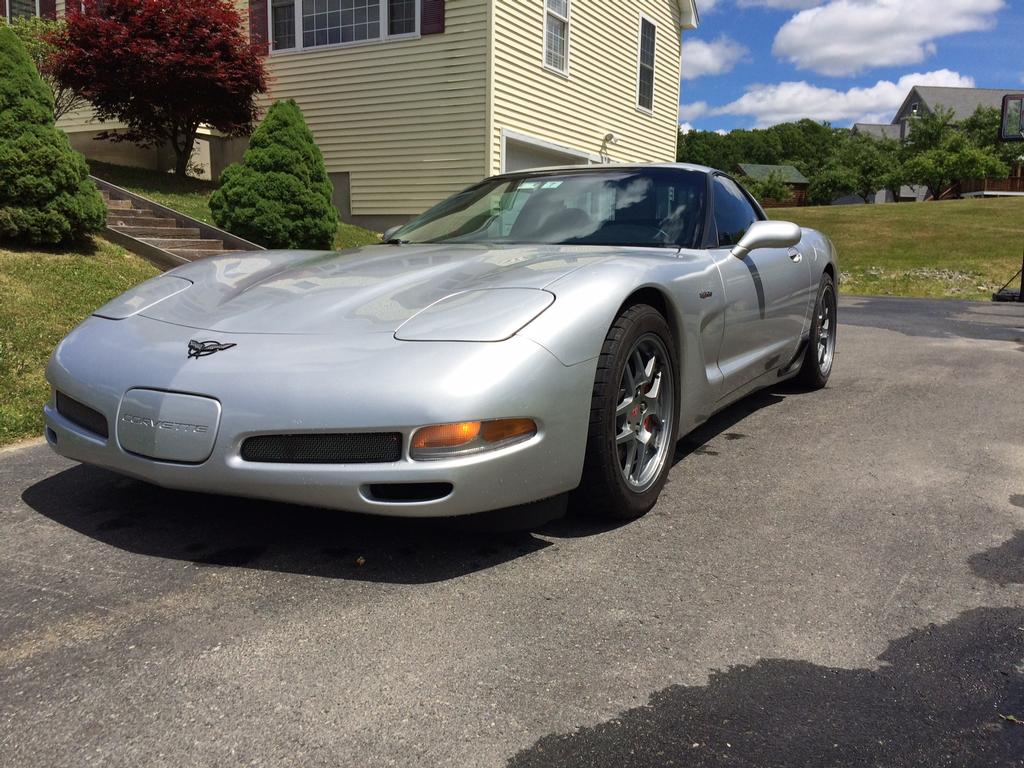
(371, 289)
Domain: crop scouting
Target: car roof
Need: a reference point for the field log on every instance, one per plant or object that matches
(609, 166)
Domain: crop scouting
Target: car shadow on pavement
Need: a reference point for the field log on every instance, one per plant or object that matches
(723, 423)
(224, 531)
(947, 695)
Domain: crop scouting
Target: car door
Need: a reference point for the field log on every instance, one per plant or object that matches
(765, 293)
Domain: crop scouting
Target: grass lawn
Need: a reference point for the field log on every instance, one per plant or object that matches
(43, 295)
(963, 249)
(191, 197)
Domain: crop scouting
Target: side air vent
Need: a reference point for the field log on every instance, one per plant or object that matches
(324, 448)
(82, 415)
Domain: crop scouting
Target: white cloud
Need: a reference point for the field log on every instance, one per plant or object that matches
(721, 131)
(714, 58)
(689, 112)
(685, 127)
(844, 37)
(785, 102)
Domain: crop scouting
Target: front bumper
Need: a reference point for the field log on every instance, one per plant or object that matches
(278, 384)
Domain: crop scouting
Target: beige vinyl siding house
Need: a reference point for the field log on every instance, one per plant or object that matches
(401, 123)
(502, 85)
(413, 100)
(595, 96)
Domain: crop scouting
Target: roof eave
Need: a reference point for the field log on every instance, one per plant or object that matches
(689, 18)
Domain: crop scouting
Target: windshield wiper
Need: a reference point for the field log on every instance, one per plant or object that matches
(396, 241)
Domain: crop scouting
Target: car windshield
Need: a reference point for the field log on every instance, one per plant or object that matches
(651, 207)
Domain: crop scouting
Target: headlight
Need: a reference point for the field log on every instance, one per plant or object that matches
(142, 297)
(445, 441)
(490, 314)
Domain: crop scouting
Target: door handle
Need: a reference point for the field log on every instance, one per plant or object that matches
(795, 256)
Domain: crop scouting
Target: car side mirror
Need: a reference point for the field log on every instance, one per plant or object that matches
(389, 233)
(767, 234)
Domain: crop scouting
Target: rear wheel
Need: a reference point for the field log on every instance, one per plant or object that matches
(633, 418)
(821, 349)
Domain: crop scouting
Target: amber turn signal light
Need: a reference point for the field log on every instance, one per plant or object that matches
(446, 435)
(440, 441)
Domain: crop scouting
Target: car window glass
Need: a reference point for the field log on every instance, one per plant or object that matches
(733, 214)
(627, 207)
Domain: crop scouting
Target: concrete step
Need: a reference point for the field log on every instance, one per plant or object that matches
(118, 205)
(169, 231)
(130, 212)
(198, 253)
(174, 243)
(114, 218)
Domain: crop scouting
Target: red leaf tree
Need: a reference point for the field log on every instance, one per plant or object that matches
(163, 68)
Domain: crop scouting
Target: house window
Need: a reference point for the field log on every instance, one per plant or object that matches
(21, 9)
(401, 17)
(556, 35)
(314, 23)
(282, 24)
(645, 77)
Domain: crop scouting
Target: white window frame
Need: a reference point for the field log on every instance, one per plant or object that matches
(567, 19)
(654, 68)
(11, 18)
(297, 5)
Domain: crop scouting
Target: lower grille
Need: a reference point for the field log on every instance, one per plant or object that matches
(82, 415)
(324, 448)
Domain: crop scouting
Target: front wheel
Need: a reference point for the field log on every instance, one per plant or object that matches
(821, 348)
(633, 418)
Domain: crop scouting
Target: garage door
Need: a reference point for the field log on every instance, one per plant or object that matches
(520, 156)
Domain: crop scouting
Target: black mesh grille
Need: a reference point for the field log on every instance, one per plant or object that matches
(330, 448)
(85, 417)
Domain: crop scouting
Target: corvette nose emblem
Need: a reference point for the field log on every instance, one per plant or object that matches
(199, 349)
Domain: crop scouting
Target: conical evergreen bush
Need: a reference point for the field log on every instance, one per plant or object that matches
(279, 195)
(46, 196)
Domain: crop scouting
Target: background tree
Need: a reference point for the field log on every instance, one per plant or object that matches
(279, 195)
(955, 159)
(163, 69)
(43, 38)
(831, 182)
(46, 196)
(929, 130)
(862, 165)
(982, 128)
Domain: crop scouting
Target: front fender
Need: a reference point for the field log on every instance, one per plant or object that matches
(587, 302)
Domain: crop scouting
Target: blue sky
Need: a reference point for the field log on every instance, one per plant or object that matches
(758, 62)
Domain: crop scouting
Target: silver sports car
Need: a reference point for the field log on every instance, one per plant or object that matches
(539, 334)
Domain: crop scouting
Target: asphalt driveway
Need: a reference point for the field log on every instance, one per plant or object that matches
(830, 579)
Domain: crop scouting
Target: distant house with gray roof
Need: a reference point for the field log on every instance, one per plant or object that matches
(926, 99)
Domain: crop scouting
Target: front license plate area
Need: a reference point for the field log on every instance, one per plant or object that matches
(168, 426)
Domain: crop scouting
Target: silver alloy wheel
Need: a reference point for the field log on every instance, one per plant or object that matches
(643, 416)
(826, 329)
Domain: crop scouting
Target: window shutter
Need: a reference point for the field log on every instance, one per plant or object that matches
(432, 17)
(48, 9)
(3, 9)
(258, 32)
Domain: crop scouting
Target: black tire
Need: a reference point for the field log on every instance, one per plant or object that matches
(817, 366)
(604, 490)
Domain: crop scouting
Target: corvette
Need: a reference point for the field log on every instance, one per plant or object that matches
(542, 335)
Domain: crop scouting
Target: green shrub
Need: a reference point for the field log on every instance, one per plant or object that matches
(46, 196)
(279, 195)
